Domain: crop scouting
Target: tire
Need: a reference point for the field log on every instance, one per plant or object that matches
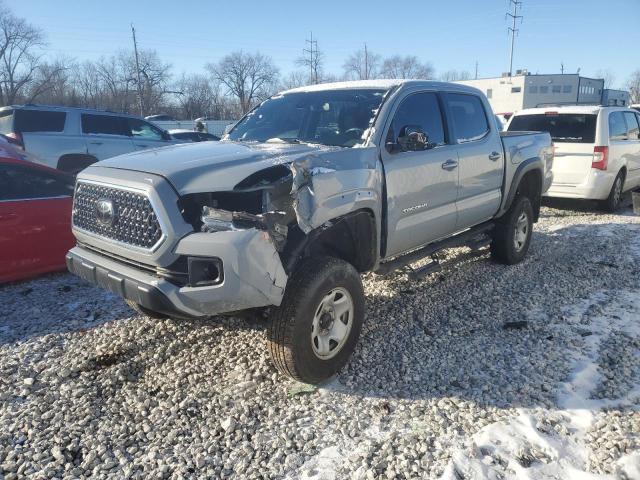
(306, 340)
(612, 203)
(146, 311)
(512, 234)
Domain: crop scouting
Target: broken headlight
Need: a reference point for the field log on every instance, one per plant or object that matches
(215, 220)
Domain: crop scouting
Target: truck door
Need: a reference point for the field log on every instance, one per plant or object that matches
(421, 185)
(480, 157)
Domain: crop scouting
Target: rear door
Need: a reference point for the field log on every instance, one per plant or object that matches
(35, 221)
(573, 135)
(145, 135)
(106, 135)
(480, 156)
(421, 185)
(633, 149)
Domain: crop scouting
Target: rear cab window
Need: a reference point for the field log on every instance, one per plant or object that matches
(469, 117)
(31, 121)
(563, 127)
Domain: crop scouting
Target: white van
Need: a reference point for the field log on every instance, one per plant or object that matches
(597, 149)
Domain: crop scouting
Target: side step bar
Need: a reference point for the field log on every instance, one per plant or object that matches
(467, 237)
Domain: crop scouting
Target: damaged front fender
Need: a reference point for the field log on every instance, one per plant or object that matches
(332, 184)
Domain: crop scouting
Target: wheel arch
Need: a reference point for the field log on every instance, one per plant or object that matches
(527, 180)
(351, 237)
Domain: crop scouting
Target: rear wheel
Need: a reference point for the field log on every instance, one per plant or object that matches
(315, 329)
(145, 311)
(612, 203)
(512, 235)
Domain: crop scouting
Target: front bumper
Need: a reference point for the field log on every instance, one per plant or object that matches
(253, 275)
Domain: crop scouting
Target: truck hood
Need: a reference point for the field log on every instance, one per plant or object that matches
(210, 166)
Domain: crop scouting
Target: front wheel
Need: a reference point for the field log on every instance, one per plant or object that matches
(512, 235)
(316, 328)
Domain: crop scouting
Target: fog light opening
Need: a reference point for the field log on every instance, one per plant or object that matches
(205, 271)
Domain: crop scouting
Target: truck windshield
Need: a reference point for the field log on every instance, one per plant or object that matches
(563, 128)
(330, 117)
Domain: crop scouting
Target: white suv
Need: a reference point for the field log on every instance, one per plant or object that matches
(71, 139)
(597, 149)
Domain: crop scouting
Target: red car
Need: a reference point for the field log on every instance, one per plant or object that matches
(35, 217)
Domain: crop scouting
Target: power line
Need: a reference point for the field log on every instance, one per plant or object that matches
(135, 49)
(312, 51)
(515, 4)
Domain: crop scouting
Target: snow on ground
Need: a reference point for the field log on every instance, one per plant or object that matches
(528, 445)
(480, 372)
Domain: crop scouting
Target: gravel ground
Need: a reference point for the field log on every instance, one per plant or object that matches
(480, 371)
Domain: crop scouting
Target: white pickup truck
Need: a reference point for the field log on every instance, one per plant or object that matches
(311, 188)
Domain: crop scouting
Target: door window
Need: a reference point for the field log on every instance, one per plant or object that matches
(420, 109)
(104, 125)
(21, 183)
(633, 130)
(617, 126)
(144, 130)
(469, 117)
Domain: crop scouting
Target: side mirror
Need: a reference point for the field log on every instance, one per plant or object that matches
(413, 139)
(166, 136)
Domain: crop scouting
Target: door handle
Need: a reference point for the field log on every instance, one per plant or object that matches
(141, 145)
(95, 143)
(495, 156)
(450, 165)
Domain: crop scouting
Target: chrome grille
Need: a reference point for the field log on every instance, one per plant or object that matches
(129, 218)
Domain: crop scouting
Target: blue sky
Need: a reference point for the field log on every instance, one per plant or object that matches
(587, 34)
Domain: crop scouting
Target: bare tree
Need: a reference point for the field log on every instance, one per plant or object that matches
(52, 83)
(199, 97)
(406, 67)
(362, 65)
(454, 75)
(633, 84)
(295, 79)
(248, 77)
(19, 57)
(155, 76)
(608, 76)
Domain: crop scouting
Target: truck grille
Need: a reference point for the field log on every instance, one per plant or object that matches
(116, 214)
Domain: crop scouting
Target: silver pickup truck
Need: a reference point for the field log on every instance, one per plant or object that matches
(313, 187)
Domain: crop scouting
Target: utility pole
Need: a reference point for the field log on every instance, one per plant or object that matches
(135, 49)
(561, 67)
(366, 63)
(514, 17)
(476, 69)
(313, 59)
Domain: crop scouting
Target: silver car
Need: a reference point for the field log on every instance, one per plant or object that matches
(71, 139)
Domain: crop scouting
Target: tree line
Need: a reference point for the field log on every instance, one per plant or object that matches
(227, 89)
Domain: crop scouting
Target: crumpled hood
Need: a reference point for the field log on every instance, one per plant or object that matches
(210, 166)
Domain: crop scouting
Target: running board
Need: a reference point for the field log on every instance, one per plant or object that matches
(465, 238)
(429, 268)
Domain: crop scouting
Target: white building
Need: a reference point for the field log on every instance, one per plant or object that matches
(523, 90)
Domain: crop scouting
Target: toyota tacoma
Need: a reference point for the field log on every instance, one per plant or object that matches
(307, 191)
